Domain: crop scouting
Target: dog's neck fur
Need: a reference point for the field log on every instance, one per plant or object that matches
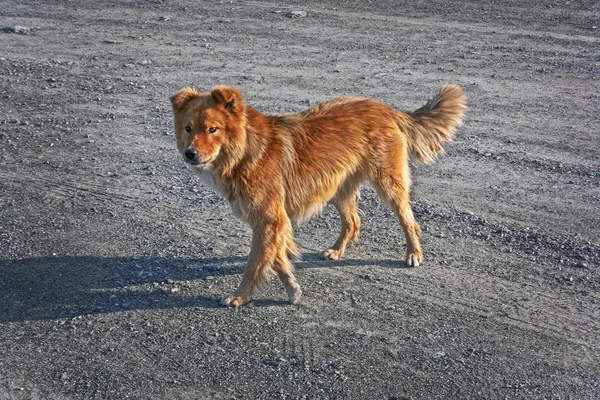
(241, 161)
(248, 152)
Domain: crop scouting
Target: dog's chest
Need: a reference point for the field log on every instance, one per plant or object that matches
(216, 184)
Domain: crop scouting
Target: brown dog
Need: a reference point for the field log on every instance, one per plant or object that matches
(278, 169)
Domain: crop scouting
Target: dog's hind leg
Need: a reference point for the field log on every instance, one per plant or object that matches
(392, 184)
(345, 202)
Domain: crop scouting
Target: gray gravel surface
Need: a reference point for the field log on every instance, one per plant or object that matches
(113, 256)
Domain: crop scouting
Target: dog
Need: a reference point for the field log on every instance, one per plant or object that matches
(277, 169)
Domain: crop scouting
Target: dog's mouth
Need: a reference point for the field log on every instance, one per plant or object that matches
(200, 163)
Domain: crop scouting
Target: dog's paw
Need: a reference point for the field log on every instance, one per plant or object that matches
(331, 254)
(294, 294)
(414, 259)
(233, 301)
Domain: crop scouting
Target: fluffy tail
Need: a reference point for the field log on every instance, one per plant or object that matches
(434, 123)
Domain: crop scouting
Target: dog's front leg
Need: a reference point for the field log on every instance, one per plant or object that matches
(270, 241)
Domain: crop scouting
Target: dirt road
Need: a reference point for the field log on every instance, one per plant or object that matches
(113, 256)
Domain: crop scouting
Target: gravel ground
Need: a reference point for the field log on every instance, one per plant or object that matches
(113, 256)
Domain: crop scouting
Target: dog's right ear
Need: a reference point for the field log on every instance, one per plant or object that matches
(183, 96)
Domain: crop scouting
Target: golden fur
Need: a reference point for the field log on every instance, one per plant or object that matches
(277, 169)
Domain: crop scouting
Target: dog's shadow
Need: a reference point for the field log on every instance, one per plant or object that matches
(66, 287)
(314, 260)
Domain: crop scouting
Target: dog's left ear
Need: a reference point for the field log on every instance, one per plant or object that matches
(229, 97)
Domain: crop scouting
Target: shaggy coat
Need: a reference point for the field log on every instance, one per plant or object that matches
(277, 169)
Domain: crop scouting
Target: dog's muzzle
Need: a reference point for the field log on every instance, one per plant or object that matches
(191, 156)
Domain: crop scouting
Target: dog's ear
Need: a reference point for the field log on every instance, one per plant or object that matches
(183, 96)
(229, 97)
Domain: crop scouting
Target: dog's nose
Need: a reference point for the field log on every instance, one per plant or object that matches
(190, 153)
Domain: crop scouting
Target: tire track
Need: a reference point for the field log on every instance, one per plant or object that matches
(508, 235)
(301, 349)
(538, 165)
(488, 297)
(66, 188)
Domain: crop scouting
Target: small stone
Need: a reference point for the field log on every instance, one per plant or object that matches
(272, 363)
(296, 14)
(20, 30)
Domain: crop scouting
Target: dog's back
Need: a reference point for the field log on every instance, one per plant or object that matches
(348, 139)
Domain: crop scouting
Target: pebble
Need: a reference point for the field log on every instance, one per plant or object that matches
(21, 30)
(252, 78)
(296, 14)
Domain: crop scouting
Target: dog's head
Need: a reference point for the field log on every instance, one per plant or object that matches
(208, 126)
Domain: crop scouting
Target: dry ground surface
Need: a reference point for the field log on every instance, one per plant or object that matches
(114, 256)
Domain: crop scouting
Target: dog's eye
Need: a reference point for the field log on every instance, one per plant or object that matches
(212, 130)
(188, 129)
